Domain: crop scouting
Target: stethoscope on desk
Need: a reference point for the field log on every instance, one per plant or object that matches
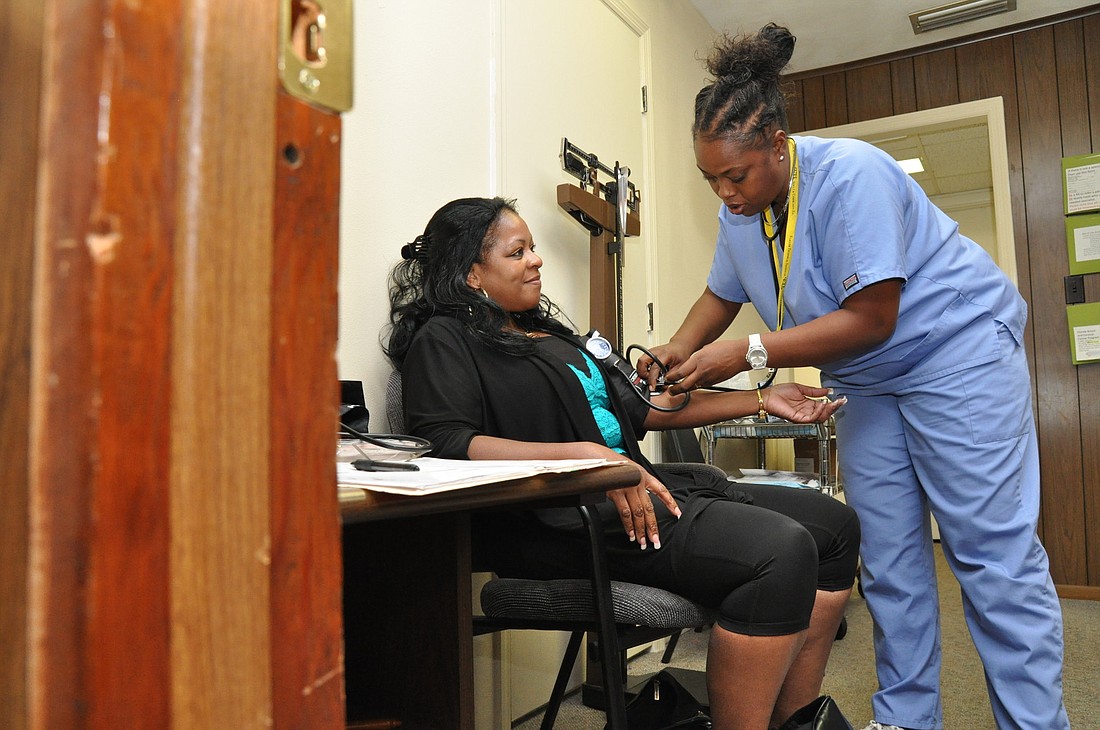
(392, 441)
(598, 346)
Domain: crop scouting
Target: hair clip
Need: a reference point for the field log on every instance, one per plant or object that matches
(417, 249)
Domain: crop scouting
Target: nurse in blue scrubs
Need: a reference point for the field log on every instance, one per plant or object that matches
(856, 272)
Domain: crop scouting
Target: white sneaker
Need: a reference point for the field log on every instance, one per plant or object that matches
(879, 726)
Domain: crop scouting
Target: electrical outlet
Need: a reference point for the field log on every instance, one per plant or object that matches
(1075, 289)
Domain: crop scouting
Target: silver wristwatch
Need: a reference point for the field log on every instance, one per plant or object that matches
(757, 356)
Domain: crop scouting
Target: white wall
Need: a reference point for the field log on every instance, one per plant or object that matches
(424, 131)
(687, 216)
(418, 136)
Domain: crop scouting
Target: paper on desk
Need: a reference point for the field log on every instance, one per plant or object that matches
(440, 475)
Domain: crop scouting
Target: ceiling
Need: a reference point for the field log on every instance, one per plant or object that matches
(955, 159)
(831, 32)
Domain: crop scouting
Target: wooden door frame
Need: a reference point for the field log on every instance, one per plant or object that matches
(21, 25)
(172, 534)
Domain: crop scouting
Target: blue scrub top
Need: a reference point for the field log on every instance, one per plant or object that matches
(862, 220)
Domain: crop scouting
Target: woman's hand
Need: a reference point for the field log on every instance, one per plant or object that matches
(635, 506)
(796, 402)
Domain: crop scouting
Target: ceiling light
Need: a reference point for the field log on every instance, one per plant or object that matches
(942, 16)
(912, 166)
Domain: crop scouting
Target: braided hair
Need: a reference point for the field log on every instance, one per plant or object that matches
(744, 101)
(431, 280)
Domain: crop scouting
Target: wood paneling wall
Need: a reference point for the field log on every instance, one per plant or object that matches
(1049, 79)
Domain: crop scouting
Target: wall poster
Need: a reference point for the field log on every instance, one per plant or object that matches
(1081, 183)
(1084, 332)
(1083, 243)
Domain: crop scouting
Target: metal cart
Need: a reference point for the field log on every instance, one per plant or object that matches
(777, 428)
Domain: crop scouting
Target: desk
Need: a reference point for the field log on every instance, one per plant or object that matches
(407, 594)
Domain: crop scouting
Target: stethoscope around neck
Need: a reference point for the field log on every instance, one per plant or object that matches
(598, 346)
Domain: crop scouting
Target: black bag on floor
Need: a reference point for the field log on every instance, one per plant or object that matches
(666, 703)
(821, 714)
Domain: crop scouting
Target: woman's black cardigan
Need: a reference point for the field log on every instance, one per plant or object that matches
(455, 388)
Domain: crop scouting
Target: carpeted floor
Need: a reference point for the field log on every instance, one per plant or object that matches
(850, 678)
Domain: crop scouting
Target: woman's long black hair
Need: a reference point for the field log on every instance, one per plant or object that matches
(745, 101)
(431, 280)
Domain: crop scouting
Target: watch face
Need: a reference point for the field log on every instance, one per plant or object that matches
(757, 358)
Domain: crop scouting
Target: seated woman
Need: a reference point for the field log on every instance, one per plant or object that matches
(489, 372)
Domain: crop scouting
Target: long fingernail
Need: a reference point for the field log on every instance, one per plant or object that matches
(656, 544)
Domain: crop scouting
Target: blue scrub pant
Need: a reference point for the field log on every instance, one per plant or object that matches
(962, 446)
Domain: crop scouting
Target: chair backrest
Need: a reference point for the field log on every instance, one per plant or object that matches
(351, 393)
(395, 410)
(682, 445)
(353, 407)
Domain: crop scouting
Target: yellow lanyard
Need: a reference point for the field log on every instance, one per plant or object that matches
(782, 270)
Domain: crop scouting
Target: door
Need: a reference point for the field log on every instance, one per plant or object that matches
(170, 520)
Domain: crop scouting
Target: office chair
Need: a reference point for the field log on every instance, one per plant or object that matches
(619, 615)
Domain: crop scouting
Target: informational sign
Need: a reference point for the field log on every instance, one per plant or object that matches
(1083, 243)
(1084, 332)
(1081, 183)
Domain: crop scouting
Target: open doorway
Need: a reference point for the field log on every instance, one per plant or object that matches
(964, 155)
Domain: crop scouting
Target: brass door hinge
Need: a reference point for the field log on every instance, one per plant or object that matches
(315, 58)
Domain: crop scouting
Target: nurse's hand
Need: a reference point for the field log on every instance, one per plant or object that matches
(670, 355)
(712, 364)
(800, 403)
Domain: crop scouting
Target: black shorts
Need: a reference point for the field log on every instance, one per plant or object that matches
(758, 563)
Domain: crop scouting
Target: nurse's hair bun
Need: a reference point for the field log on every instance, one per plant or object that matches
(759, 57)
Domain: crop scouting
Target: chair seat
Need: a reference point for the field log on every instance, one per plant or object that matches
(571, 600)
